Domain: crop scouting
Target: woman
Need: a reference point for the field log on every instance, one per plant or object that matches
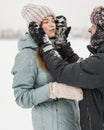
(52, 109)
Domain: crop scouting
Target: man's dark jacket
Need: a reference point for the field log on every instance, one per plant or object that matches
(89, 75)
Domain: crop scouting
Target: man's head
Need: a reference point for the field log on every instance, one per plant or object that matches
(97, 28)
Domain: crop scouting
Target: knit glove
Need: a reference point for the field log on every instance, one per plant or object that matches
(62, 31)
(59, 90)
(61, 44)
(39, 36)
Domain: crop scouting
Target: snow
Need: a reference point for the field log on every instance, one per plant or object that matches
(12, 117)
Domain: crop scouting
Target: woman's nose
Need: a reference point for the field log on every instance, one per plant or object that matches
(52, 24)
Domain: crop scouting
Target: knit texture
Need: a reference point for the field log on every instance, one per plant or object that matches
(36, 13)
(97, 16)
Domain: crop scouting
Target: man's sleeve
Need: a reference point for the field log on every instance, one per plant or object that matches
(89, 73)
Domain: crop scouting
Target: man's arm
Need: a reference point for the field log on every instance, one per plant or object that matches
(87, 74)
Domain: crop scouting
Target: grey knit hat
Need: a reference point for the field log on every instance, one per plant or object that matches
(97, 16)
(36, 13)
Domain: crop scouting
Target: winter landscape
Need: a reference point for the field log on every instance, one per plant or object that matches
(12, 26)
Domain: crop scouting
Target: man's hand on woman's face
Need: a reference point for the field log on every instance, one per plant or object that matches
(40, 37)
(36, 33)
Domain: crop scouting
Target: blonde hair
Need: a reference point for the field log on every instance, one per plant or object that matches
(40, 60)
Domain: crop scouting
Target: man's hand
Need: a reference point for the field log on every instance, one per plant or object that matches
(61, 44)
(62, 30)
(38, 34)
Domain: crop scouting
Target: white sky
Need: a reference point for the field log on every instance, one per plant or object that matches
(76, 11)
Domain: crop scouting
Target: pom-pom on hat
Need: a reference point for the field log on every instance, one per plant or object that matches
(36, 13)
(97, 16)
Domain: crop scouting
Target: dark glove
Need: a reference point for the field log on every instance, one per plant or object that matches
(67, 53)
(61, 44)
(39, 36)
(62, 30)
(36, 32)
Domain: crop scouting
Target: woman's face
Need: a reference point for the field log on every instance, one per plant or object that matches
(49, 26)
(92, 29)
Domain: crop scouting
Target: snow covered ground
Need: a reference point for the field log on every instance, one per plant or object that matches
(12, 117)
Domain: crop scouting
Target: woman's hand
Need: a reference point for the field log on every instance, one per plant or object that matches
(59, 90)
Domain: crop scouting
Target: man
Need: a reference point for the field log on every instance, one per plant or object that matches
(87, 74)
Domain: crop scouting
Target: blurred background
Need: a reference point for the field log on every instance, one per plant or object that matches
(13, 26)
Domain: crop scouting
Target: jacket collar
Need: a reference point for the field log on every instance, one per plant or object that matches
(101, 49)
(26, 42)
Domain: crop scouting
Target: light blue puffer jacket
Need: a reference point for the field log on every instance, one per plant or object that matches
(31, 90)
